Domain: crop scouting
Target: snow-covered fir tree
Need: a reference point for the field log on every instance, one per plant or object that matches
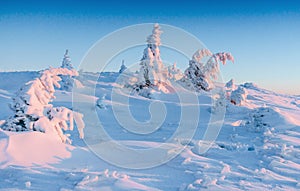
(123, 67)
(201, 76)
(33, 111)
(66, 63)
(152, 71)
(66, 81)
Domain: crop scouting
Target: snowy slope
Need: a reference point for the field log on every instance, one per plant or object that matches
(257, 149)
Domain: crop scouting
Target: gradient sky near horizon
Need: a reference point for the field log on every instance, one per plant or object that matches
(263, 36)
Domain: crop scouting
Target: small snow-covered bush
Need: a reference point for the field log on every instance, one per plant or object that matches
(33, 110)
(174, 73)
(238, 96)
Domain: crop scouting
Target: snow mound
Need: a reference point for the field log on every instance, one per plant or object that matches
(268, 117)
(31, 149)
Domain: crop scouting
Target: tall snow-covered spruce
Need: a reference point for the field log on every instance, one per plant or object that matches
(200, 76)
(33, 111)
(152, 72)
(66, 80)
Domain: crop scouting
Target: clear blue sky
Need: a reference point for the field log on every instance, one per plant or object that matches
(264, 36)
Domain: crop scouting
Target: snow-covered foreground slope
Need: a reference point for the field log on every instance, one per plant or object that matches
(258, 146)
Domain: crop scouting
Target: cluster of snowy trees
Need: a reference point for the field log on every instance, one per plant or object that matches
(200, 75)
(33, 109)
(154, 76)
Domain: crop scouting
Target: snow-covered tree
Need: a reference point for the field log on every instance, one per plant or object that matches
(66, 81)
(33, 111)
(200, 75)
(238, 96)
(152, 75)
(122, 68)
(66, 63)
(152, 71)
(194, 74)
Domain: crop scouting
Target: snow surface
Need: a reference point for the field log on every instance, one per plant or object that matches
(258, 147)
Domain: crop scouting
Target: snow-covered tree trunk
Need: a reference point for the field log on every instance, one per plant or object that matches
(33, 110)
